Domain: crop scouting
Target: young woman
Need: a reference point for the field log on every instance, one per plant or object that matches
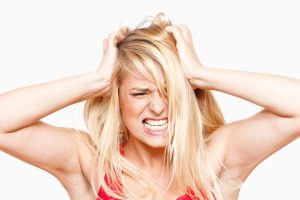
(155, 129)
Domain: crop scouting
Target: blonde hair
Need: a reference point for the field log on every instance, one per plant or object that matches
(192, 116)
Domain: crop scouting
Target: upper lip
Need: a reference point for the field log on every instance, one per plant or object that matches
(152, 118)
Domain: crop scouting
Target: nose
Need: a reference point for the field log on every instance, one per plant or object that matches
(157, 104)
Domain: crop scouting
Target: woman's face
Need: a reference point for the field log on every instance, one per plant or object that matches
(144, 111)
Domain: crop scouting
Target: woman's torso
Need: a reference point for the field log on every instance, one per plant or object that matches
(78, 185)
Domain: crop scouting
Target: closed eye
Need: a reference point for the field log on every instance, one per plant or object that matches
(138, 94)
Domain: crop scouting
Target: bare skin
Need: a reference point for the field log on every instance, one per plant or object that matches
(241, 145)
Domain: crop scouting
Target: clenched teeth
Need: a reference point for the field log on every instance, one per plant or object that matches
(155, 122)
(156, 128)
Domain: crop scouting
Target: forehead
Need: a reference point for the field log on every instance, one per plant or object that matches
(134, 80)
(142, 75)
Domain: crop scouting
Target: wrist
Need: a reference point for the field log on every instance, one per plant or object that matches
(98, 83)
(199, 78)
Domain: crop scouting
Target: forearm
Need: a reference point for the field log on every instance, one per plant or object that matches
(24, 106)
(278, 94)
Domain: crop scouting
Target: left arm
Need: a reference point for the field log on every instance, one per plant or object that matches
(277, 94)
(248, 141)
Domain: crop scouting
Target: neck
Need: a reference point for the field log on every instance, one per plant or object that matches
(143, 156)
(150, 161)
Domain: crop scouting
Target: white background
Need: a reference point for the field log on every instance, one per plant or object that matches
(47, 40)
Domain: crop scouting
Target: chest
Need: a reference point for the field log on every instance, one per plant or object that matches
(81, 187)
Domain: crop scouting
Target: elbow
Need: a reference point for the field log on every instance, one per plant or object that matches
(298, 134)
(1, 141)
(297, 125)
(2, 128)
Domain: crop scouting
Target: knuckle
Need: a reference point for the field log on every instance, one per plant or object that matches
(109, 36)
(104, 42)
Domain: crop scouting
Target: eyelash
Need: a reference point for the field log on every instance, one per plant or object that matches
(138, 94)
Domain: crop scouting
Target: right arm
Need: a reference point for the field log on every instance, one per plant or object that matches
(51, 148)
(23, 107)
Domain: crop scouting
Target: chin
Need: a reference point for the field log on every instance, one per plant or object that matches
(150, 142)
(157, 146)
(152, 139)
(155, 143)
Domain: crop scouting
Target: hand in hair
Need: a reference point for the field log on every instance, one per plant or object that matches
(186, 51)
(107, 67)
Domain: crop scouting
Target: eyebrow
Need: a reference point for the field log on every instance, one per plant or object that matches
(140, 89)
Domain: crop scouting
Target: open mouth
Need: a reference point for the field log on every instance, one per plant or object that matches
(155, 126)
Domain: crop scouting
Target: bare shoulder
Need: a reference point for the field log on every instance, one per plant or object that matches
(86, 152)
(63, 152)
(216, 148)
(242, 145)
(78, 183)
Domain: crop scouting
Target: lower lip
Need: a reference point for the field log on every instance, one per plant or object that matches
(154, 132)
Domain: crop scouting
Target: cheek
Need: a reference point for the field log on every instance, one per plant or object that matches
(131, 105)
(132, 109)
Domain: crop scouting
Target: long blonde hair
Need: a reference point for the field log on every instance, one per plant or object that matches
(192, 116)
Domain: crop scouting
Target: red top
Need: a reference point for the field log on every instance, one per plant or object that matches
(103, 196)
